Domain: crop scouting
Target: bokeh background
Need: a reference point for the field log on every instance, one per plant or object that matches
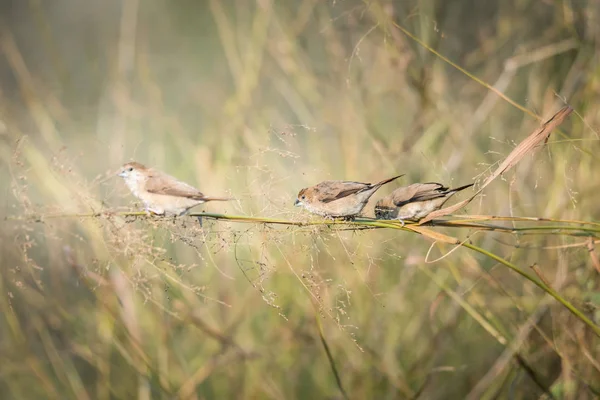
(258, 99)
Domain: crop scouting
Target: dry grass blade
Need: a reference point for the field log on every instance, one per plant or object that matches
(101, 300)
(530, 143)
(526, 146)
(439, 237)
(539, 274)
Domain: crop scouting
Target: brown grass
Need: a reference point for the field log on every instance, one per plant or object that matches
(257, 100)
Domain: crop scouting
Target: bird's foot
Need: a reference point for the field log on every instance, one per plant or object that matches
(401, 222)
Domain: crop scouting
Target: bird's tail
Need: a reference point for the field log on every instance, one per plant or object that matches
(458, 189)
(387, 181)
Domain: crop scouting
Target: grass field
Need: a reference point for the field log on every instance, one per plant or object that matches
(257, 100)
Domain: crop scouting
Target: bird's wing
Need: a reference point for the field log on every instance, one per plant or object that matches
(418, 192)
(161, 183)
(329, 191)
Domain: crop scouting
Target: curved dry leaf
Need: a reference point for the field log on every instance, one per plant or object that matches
(439, 237)
(532, 141)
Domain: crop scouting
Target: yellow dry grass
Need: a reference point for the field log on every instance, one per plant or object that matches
(258, 100)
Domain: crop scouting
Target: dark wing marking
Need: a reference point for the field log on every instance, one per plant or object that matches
(419, 192)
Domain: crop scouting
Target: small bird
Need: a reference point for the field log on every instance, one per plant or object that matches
(333, 199)
(161, 193)
(415, 201)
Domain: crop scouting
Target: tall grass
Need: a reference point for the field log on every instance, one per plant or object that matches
(258, 100)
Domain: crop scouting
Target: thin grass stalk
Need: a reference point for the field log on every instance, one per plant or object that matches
(377, 224)
(539, 284)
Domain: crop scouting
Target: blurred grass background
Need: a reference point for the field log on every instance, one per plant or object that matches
(259, 99)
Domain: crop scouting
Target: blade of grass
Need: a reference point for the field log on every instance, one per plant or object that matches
(595, 328)
(511, 348)
(338, 380)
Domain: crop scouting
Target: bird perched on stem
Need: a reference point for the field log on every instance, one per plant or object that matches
(415, 201)
(333, 199)
(161, 193)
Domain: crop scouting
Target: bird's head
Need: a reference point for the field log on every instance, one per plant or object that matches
(304, 197)
(133, 172)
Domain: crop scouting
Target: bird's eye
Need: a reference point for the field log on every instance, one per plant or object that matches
(303, 197)
(130, 169)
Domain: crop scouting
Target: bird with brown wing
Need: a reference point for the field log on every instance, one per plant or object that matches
(334, 199)
(161, 193)
(415, 201)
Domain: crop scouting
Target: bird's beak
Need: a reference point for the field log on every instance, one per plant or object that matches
(121, 174)
(297, 203)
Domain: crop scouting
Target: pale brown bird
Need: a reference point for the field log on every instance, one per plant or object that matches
(338, 198)
(415, 201)
(162, 193)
